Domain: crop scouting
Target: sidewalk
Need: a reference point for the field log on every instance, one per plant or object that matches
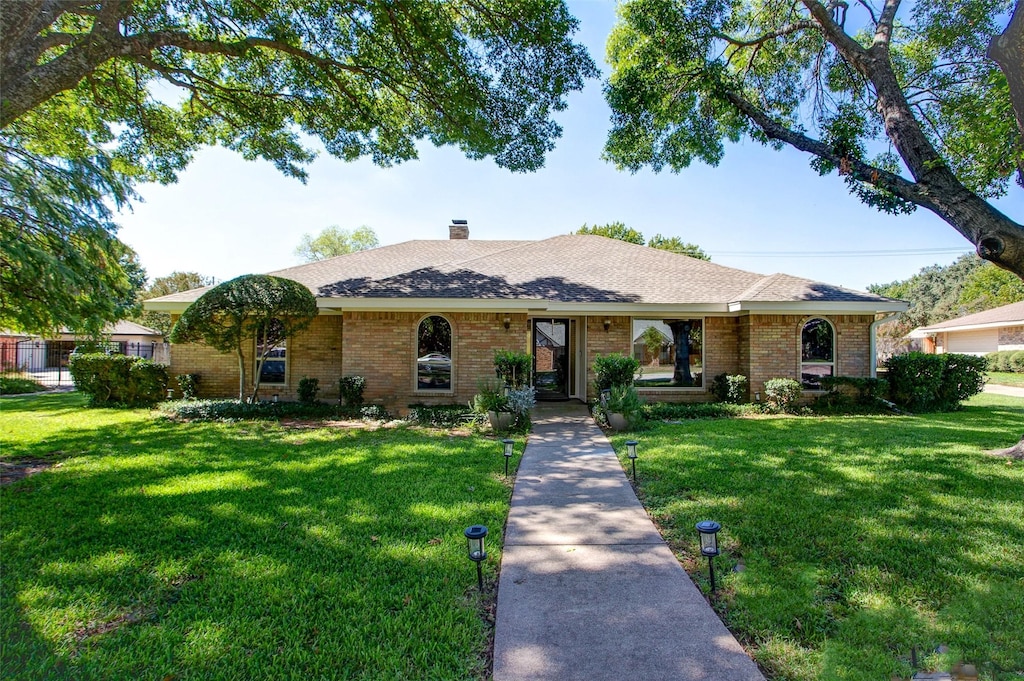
(588, 589)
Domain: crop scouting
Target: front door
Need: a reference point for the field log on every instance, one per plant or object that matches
(552, 358)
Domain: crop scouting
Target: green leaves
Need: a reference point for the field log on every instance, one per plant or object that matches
(333, 241)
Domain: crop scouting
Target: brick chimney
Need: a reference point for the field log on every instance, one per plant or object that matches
(459, 229)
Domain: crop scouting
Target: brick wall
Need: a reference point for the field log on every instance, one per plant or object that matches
(381, 346)
(774, 346)
(1011, 338)
(600, 342)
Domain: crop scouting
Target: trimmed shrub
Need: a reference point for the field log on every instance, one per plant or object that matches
(442, 415)
(350, 391)
(1015, 362)
(513, 367)
(863, 390)
(118, 379)
(729, 389)
(308, 389)
(782, 393)
(614, 370)
(921, 383)
(188, 384)
(666, 411)
(15, 385)
(231, 410)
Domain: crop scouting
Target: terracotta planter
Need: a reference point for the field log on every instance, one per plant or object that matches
(617, 421)
(500, 420)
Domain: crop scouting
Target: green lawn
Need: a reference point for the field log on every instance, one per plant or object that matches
(162, 550)
(1006, 378)
(861, 536)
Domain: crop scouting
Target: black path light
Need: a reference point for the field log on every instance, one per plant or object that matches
(475, 535)
(708, 530)
(631, 452)
(509, 449)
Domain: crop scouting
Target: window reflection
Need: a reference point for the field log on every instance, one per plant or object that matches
(434, 354)
(670, 352)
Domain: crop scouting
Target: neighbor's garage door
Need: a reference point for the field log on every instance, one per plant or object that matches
(980, 340)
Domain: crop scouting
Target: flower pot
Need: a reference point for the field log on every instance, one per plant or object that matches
(500, 420)
(617, 421)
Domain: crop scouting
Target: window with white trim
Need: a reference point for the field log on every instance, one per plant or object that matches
(817, 352)
(434, 354)
(670, 352)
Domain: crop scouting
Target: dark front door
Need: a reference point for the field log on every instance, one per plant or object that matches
(551, 358)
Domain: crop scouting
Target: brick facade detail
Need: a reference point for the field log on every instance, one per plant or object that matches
(381, 346)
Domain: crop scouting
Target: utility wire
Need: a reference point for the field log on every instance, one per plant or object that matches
(841, 254)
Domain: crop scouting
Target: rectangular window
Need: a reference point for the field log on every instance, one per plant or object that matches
(670, 352)
(274, 369)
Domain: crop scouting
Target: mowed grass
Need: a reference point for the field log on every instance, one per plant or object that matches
(162, 550)
(860, 537)
(1006, 378)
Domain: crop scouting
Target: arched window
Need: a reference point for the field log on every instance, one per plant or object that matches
(434, 354)
(817, 352)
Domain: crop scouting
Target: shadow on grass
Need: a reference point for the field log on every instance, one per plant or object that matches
(242, 550)
(861, 537)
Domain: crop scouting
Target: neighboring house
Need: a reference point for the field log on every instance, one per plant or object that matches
(1001, 328)
(44, 356)
(421, 320)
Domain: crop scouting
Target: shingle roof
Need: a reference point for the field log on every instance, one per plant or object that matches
(564, 269)
(1011, 314)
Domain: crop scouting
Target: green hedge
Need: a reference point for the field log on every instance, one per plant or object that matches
(118, 379)
(231, 410)
(731, 389)
(922, 383)
(1006, 360)
(667, 411)
(443, 415)
(614, 370)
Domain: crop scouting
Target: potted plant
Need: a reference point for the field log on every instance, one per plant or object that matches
(623, 407)
(493, 401)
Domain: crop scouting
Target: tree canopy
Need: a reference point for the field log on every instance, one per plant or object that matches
(175, 282)
(901, 102)
(619, 230)
(99, 94)
(334, 241)
(230, 316)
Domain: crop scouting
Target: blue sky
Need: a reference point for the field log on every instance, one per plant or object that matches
(227, 216)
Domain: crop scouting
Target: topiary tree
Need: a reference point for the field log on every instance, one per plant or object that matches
(230, 316)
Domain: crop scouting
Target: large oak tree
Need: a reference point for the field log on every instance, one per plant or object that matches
(108, 92)
(898, 99)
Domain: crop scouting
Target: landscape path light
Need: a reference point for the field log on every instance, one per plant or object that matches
(708, 530)
(475, 535)
(631, 452)
(509, 450)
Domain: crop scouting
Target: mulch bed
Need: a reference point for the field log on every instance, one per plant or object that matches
(12, 471)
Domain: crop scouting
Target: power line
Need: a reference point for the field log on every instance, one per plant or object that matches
(841, 254)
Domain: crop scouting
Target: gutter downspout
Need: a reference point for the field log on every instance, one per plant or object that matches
(872, 352)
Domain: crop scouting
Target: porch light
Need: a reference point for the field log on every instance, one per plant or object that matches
(275, 398)
(509, 444)
(708, 530)
(607, 324)
(631, 452)
(506, 322)
(475, 545)
(757, 396)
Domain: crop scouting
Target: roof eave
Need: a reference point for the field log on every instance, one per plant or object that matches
(823, 306)
(932, 330)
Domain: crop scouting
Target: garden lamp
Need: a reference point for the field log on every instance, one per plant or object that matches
(509, 449)
(475, 545)
(170, 393)
(631, 452)
(708, 530)
(275, 398)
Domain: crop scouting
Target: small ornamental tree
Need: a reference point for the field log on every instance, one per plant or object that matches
(230, 316)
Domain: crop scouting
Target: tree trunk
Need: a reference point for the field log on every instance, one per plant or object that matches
(1007, 50)
(681, 337)
(241, 375)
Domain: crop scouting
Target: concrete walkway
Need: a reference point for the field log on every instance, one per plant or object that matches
(588, 588)
(1004, 390)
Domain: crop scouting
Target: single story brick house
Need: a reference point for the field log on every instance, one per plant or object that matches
(420, 320)
(1001, 328)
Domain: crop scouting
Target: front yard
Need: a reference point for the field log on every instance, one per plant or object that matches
(858, 538)
(165, 550)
